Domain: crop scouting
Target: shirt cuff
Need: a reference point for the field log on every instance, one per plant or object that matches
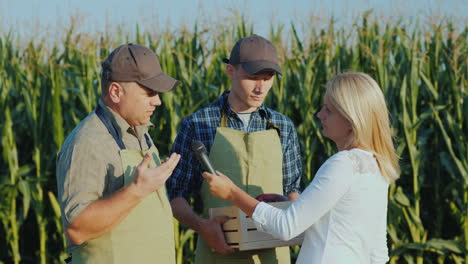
(74, 212)
(259, 215)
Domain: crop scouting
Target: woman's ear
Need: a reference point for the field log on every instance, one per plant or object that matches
(115, 92)
(350, 127)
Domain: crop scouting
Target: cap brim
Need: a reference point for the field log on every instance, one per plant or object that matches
(254, 67)
(161, 83)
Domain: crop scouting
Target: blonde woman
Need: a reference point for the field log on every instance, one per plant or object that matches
(344, 209)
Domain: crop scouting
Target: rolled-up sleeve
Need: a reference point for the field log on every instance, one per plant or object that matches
(81, 178)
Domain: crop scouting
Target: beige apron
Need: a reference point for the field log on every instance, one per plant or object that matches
(145, 235)
(254, 162)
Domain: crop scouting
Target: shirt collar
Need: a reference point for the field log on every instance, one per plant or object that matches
(121, 125)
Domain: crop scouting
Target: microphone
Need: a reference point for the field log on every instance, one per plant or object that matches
(199, 151)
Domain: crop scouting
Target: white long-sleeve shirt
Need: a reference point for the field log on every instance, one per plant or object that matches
(343, 213)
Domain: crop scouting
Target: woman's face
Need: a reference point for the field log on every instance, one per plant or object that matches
(334, 125)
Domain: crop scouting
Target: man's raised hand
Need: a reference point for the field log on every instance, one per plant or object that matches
(148, 180)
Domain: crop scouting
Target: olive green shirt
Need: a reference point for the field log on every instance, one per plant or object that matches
(89, 165)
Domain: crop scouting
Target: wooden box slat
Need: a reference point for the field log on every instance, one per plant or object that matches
(241, 232)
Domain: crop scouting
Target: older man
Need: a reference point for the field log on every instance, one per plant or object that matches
(110, 179)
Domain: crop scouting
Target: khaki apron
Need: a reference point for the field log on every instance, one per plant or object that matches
(145, 235)
(254, 162)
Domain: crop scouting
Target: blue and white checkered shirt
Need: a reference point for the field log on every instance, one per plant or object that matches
(186, 179)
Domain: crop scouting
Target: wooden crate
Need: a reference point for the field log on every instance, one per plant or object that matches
(240, 231)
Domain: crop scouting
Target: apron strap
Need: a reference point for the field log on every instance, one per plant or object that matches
(148, 141)
(223, 119)
(112, 130)
(270, 125)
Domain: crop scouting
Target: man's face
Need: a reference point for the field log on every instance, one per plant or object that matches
(137, 104)
(248, 91)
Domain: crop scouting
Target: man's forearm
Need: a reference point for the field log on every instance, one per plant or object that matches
(184, 214)
(209, 229)
(103, 214)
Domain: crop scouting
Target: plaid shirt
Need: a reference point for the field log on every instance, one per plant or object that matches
(186, 179)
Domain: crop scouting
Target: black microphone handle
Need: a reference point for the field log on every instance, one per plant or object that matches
(205, 162)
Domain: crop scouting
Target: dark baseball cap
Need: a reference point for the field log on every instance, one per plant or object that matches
(255, 54)
(136, 63)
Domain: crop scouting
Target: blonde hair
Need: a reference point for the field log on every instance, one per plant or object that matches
(359, 99)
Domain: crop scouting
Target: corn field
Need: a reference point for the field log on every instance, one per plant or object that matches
(45, 90)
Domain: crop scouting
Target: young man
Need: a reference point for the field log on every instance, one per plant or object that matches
(256, 146)
(109, 176)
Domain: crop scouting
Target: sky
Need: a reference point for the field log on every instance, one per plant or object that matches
(36, 16)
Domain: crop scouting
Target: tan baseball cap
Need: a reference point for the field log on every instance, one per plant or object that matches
(136, 63)
(255, 54)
